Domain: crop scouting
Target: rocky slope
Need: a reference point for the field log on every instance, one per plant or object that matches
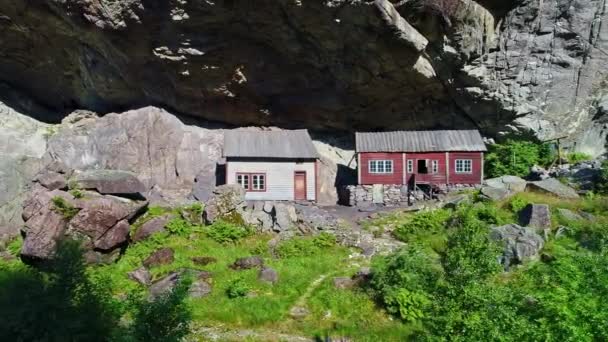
(502, 66)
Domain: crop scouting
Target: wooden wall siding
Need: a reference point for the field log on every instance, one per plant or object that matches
(279, 178)
(466, 178)
(444, 175)
(368, 178)
(431, 178)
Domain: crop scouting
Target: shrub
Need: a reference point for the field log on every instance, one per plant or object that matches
(225, 232)
(425, 222)
(64, 208)
(577, 157)
(238, 288)
(408, 305)
(166, 318)
(179, 226)
(516, 158)
(77, 193)
(14, 247)
(324, 240)
(518, 203)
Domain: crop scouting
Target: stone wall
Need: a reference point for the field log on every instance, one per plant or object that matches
(393, 194)
(361, 195)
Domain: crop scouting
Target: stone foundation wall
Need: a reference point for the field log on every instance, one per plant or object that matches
(393, 194)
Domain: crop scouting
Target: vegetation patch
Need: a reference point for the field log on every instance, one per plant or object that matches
(63, 207)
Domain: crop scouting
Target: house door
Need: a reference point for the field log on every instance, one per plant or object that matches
(300, 186)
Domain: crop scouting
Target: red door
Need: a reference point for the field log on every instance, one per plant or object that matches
(300, 186)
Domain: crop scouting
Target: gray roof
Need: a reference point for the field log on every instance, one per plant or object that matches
(269, 144)
(420, 141)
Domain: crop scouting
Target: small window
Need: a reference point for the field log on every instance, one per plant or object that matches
(258, 182)
(243, 180)
(435, 166)
(464, 166)
(252, 181)
(422, 166)
(410, 166)
(380, 166)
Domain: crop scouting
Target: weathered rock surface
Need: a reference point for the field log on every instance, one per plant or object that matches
(494, 64)
(108, 182)
(536, 216)
(520, 243)
(227, 201)
(268, 275)
(155, 225)
(141, 275)
(511, 183)
(162, 256)
(553, 187)
(203, 260)
(569, 214)
(248, 263)
(495, 194)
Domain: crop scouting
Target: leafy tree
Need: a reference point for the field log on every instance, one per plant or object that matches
(516, 157)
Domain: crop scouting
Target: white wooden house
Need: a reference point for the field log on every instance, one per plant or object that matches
(272, 165)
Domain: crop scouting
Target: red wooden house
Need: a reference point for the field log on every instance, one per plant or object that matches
(437, 158)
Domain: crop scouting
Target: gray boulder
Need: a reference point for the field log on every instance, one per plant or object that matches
(199, 289)
(495, 194)
(569, 215)
(513, 184)
(52, 180)
(248, 263)
(164, 285)
(162, 256)
(155, 225)
(109, 182)
(316, 218)
(554, 187)
(285, 216)
(141, 275)
(226, 201)
(536, 216)
(343, 283)
(268, 275)
(520, 243)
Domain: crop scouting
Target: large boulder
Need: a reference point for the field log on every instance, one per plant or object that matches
(152, 226)
(520, 243)
(44, 224)
(162, 256)
(554, 187)
(569, 215)
(228, 202)
(165, 154)
(109, 182)
(495, 194)
(536, 216)
(247, 263)
(513, 184)
(285, 216)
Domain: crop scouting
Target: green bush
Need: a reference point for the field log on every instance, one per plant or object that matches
(425, 222)
(408, 305)
(238, 288)
(179, 226)
(77, 193)
(577, 157)
(324, 240)
(225, 232)
(518, 203)
(516, 157)
(63, 207)
(166, 318)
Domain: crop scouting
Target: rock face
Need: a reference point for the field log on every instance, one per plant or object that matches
(162, 256)
(100, 222)
(150, 227)
(536, 216)
(498, 65)
(520, 243)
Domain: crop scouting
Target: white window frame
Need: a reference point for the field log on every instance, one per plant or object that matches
(434, 166)
(255, 182)
(246, 180)
(258, 182)
(383, 167)
(463, 166)
(410, 166)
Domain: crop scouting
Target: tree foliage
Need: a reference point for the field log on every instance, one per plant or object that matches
(516, 158)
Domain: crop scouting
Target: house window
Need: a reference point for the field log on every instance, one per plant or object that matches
(435, 166)
(464, 166)
(422, 166)
(243, 180)
(252, 181)
(258, 183)
(410, 166)
(380, 166)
